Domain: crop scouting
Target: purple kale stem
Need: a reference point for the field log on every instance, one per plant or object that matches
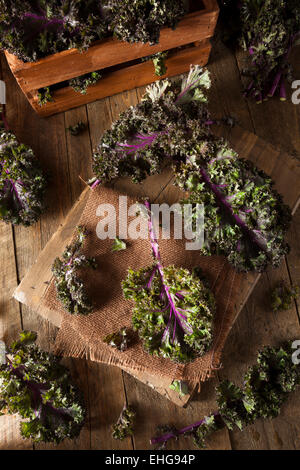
(186, 90)
(96, 183)
(16, 192)
(170, 435)
(223, 202)
(44, 18)
(144, 141)
(282, 92)
(156, 253)
(275, 84)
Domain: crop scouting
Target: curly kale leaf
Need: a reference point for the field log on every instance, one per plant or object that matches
(34, 384)
(283, 295)
(69, 287)
(179, 329)
(119, 340)
(82, 83)
(142, 20)
(180, 387)
(44, 96)
(77, 128)
(169, 124)
(33, 30)
(245, 218)
(22, 184)
(266, 386)
(268, 30)
(124, 426)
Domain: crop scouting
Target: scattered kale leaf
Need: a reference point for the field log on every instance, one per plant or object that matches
(69, 287)
(118, 245)
(22, 184)
(120, 340)
(266, 387)
(283, 295)
(180, 387)
(174, 314)
(34, 384)
(124, 426)
(77, 128)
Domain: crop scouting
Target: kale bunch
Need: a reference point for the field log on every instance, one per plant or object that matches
(124, 426)
(173, 311)
(32, 30)
(69, 287)
(22, 184)
(268, 30)
(34, 384)
(266, 386)
(283, 296)
(245, 218)
(142, 20)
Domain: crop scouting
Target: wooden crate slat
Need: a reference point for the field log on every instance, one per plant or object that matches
(121, 80)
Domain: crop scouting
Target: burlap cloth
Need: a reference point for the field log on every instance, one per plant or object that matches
(81, 336)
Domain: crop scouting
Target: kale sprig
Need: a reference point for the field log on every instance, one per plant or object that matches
(69, 287)
(283, 296)
(22, 184)
(173, 311)
(34, 384)
(266, 386)
(124, 426)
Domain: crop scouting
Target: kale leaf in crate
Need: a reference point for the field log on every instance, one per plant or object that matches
(34, 384)
(22, 184)
(33, 30)
(142, 20)
(173, 314)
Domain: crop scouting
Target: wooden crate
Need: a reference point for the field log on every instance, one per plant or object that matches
(120, 61)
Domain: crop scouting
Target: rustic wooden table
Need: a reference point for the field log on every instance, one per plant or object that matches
(106, 388)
